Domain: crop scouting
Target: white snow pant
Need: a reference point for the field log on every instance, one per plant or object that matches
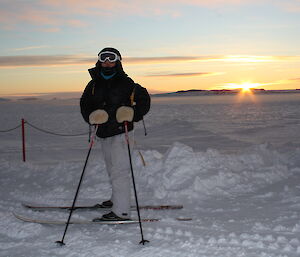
(115, 151)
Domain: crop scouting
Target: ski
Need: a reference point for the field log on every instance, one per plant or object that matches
(79, 221)
(98, 206)
(82, 221)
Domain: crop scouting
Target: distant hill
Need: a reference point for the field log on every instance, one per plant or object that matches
(4, 99)
(198, 92)
(29, 99)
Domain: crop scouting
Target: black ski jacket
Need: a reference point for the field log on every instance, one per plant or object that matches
(111, 94)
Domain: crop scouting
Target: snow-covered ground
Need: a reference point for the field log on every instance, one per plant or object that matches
(233, 163)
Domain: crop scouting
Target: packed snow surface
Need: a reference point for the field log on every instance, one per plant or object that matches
(232, 161)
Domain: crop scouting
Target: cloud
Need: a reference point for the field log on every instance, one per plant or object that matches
(62, 60)
(215, 58)
(295, 79)
(257, 58)
(213, 3)
(43, 60)
(169, 59)
(41, 13)
(186, 74)
(285, 81)
(290, 5)
(49, 30)
(48, 60)
(30, 48)
(62, 12)
(77, 23)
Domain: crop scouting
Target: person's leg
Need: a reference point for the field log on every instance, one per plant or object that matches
(120, 176)
(106, 151)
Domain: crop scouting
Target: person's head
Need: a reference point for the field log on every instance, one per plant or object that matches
(109, 61)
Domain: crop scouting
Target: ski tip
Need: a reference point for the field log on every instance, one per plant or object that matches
(184, 219)
(17, 216)
(26, 205)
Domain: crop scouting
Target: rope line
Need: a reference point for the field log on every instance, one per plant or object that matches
(8, 130)
(56, 134)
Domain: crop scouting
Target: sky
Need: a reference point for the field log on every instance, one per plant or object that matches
(48, 45)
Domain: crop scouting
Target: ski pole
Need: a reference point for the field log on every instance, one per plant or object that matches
(133, 182)
(61, 242)
(144, 127)
(90, 133)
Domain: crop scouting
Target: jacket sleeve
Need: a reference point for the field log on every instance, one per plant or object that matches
(143, 102)
(86, 106)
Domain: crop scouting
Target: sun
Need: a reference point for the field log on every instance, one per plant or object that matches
(246, 86)
(245, 90)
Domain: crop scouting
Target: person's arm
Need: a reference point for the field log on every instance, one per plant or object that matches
(142, 102)
(86, 105)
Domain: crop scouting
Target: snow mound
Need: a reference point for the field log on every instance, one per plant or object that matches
(184, 174)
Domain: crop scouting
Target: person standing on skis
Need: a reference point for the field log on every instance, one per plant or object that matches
(109, 100)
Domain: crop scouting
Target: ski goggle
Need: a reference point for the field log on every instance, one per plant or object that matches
(109, 56)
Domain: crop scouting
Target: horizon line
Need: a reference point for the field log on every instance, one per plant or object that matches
(57, 94)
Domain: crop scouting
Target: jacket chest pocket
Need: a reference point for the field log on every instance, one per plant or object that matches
(118, 97)
(99, 100)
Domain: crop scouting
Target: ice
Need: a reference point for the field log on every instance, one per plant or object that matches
(234, 166)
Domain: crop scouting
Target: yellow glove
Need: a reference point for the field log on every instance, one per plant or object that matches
(124, 113)
(98, 117)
